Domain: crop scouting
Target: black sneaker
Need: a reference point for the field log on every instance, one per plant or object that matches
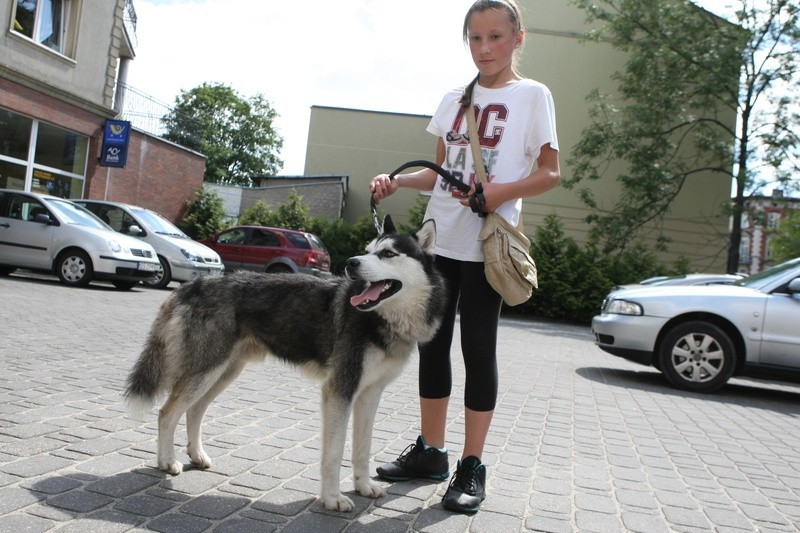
(417, 462)
(467, 488)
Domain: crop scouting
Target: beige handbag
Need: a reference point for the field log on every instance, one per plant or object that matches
(508, 266)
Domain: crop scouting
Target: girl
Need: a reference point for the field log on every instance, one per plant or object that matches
(516, 126)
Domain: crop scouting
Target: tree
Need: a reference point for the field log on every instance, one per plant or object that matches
(786, 243)
(234, 133)
(665, 126)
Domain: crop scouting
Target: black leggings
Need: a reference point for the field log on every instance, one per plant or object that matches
(467, 290)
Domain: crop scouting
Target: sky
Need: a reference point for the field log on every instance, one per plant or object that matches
(360, 54)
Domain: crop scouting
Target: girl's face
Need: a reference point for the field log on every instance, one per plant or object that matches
(492, 42)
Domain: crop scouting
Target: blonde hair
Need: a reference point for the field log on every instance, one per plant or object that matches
(514, 17)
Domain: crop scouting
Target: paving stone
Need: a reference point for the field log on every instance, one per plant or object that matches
(581, 440)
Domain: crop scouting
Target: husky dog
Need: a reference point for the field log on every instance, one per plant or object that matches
(354, 333)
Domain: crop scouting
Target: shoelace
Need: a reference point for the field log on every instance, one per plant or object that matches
(465, 480)
(409, 452)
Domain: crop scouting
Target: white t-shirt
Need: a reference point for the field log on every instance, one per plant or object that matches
(514, 122)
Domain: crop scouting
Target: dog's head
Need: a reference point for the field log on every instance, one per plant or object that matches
(396, 268)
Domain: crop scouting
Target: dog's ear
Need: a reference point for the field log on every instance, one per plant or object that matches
(388, 225)
(426, 235)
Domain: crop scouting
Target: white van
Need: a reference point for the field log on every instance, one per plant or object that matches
(181, 258)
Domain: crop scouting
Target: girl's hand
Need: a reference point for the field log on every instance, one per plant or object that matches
(491, 197)
(381, 186)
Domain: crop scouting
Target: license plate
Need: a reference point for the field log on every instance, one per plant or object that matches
(149, 267)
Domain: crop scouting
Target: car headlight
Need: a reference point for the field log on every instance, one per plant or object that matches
(190, 256)
(114, 246)
(623, 307)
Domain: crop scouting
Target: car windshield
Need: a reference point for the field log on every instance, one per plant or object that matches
(159, 224)
(762, 279)
(75, 214)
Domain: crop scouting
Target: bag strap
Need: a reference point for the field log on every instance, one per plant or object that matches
(478, 202)
(477, 156)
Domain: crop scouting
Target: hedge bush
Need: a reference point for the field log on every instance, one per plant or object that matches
(573, 280)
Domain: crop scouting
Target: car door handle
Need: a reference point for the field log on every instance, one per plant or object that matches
(5, 225)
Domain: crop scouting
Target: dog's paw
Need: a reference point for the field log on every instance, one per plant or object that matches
(338, 502)
(172, 466)
(200, 460)
(369, 488)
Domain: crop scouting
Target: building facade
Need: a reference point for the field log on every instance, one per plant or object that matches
(763, 214)
(62, 77)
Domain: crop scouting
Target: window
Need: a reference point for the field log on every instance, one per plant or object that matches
(40, 157)
(744, 250)
(262, 237)
(43, 21)
(773, 219)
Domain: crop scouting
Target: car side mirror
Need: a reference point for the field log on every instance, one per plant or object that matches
(42, 218)
(794, 286)
(136, 231)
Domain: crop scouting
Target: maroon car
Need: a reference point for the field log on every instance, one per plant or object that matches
(264, 249)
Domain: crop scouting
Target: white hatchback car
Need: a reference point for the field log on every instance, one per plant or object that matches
(46, 233)
(701, 336)
(181, 258)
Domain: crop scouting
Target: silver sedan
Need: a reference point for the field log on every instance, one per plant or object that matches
(701, 336)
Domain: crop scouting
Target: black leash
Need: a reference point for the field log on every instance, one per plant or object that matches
(448, 177)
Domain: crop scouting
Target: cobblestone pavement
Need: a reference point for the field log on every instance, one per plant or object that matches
(582, 441)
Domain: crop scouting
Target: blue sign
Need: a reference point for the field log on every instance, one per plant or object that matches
(115, 143)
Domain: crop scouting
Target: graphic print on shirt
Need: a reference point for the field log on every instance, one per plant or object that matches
(490, 125)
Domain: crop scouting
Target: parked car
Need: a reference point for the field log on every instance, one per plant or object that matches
(46, 233)
(274, 250)
(701, 336)
(692, 279)
(180, 257)
(686, 279)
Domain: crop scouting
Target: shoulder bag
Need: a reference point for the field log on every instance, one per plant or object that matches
(508, 266)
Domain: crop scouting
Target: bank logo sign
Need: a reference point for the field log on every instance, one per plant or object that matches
(115, 143)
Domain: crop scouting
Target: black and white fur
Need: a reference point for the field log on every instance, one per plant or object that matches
(353, 333)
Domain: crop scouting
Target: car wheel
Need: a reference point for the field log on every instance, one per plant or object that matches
(74, 268)
(124, 285)
(280, 269)
(162, 277)
(697, 356)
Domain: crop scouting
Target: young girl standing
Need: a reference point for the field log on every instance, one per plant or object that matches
(516, 126)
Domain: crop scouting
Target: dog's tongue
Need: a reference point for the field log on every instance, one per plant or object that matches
(372, 293)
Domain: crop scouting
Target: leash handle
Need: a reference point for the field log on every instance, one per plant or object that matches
(448, 177)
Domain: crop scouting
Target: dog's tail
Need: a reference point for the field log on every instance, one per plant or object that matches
(147, 379)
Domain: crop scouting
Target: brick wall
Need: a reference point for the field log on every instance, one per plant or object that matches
(158, 175)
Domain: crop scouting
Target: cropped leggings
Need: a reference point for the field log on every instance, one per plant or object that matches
(469, 292)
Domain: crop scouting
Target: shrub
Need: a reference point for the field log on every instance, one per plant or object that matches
(205, 215)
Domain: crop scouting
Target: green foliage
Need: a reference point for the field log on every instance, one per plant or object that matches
(573, 281)
(668, 124)
(786, 243)
(236, 134)
(343, 240)
(205, 215)
(292, 214)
